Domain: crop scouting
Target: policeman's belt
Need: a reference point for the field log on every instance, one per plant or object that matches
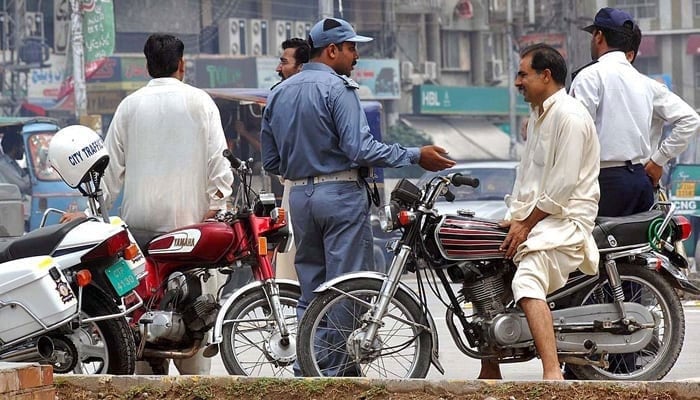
(342, 176)
(614, 164)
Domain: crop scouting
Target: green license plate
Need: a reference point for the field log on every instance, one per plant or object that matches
(121, 277)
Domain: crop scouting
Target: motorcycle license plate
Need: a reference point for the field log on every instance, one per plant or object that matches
(121, 277)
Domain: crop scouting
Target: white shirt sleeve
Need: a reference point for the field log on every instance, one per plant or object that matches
(586, 89)
(113, 178)
(685, 121)
(218, 168)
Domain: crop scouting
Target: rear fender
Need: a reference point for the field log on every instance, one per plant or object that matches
(435, 351)
(217, 335)
(659, 262)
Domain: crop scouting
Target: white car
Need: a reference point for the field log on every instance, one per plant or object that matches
(496, 180)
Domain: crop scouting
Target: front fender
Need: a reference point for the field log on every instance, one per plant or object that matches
(435, 351)
(217, 333)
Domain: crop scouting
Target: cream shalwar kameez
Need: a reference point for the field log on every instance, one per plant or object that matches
(559, 175)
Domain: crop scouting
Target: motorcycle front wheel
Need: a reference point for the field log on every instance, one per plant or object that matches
(103, 347)
(653, 291)
(335, 323)
(252, 343)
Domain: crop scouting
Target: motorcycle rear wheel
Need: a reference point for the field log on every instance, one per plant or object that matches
(252, 345)
(401, 348)
(105, 347)
(652, 290)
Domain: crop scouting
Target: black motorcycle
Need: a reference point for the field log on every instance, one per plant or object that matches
(625, 323)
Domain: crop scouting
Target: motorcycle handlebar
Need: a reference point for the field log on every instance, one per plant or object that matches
(235, 162)
(459, 180)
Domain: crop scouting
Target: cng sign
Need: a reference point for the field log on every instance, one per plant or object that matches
(686, 206)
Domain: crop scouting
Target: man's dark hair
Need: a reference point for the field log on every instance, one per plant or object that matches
(546, 57)
(618, 39)
(163, 53)
(301, 46)
(635, 42)
(10, 141)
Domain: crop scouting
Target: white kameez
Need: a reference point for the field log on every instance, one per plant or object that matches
(559, 175)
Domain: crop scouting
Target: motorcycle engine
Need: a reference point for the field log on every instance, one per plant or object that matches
(185, 313)
(484, 285)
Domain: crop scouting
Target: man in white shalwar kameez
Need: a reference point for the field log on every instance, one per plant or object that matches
(554, 201)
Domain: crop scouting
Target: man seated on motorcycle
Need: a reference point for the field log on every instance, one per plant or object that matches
(554, 201)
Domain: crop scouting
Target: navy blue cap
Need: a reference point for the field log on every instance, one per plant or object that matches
(611, 18)
(334, 30)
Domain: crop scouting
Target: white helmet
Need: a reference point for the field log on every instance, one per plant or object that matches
(76, 150)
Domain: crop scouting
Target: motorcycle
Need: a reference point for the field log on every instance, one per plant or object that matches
(38, 307)
(102, 343)
(625, 323)
(255, 327)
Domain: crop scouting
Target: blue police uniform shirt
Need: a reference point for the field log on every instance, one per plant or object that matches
(314, 125)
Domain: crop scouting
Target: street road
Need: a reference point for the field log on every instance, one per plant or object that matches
(459, 366)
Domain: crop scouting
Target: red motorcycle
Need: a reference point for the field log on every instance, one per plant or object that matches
(255, 328)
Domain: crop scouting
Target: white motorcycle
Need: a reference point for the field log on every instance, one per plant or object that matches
(37, 307)
(102, 343)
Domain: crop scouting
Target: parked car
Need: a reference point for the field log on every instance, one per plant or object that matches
(496, 181)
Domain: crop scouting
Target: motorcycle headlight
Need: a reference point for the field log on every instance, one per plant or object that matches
(389, 217)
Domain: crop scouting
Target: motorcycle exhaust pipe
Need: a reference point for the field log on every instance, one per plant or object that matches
(175, 354)
(42, 350)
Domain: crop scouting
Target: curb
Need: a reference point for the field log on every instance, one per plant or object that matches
(248, 388)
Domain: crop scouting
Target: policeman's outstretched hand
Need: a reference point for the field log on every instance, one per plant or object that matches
(433, 158)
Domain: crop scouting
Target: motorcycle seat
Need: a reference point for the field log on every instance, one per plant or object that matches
(39, 242)
(613, 232)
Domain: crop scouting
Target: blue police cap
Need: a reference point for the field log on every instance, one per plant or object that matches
(334, 30)
(612, 18)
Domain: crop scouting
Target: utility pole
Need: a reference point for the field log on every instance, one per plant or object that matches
(79, 86)
(511, 84)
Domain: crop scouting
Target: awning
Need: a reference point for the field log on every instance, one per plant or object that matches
(647, 48)
(465, 138)
(693, 44)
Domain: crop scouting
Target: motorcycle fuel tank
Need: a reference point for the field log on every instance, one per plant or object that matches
(469, 238)
(206, 242)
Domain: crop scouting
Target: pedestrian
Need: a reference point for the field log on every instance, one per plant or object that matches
(621, 102)
(10, 171)
(165, 146)
(294, 55)
(554, 201)
(321, 142)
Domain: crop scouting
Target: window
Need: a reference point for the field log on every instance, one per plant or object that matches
(455, 51)
(39, 151)
(696, 8)
(640, 8)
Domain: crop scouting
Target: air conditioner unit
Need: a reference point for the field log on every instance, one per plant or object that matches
(406, 70)
(258, 34)
(280, 31)
(301, 29)
(494, 70)
(232, 36)
(34, 24)
(430, 70)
